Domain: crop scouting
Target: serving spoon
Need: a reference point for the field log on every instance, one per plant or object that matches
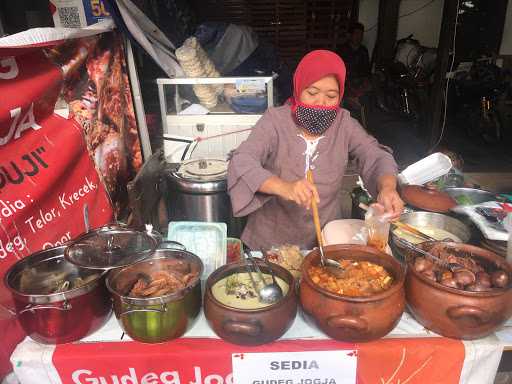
(269, 293)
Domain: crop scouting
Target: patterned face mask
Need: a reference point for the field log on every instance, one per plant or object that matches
(315, 119)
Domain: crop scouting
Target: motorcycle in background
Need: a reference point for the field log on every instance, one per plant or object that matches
(404, 84)
(479, 91)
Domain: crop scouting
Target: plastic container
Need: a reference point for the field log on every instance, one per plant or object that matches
(234, 250)
(425, 170)
(507, 223)
(206, 240)
(377, 224)
(345, 231)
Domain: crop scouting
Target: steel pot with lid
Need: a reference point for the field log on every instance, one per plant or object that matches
(159, 298)
(55, 300)
(155, 285)
(198, 192)
(60, 294)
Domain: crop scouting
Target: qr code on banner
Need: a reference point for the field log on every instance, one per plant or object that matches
(69, 17)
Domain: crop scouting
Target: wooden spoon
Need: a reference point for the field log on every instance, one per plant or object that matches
(332, 265)
(411, 229)
(316, 220)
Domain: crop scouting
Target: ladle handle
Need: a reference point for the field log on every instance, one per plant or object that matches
(258, 270)
(314, 208)
(411, 246)
(248, 263)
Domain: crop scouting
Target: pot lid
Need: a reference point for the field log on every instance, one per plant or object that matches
(427, 198)
(47, 272)
(111, 246)
(203, 169)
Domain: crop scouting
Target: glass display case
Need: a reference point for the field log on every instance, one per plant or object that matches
(209, 117)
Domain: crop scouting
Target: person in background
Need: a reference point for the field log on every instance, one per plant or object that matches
(355, 55)
(267, 172)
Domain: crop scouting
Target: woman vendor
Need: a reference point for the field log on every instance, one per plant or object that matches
(267, 172)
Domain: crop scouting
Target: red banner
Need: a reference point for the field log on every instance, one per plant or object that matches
(97, 90)
(46, 174)
(208, 361)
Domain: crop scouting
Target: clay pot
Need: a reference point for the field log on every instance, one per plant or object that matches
(428, 199)
(250, 326)
(456, 313)
(353, 318)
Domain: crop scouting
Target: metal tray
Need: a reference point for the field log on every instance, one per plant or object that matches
(206, 240)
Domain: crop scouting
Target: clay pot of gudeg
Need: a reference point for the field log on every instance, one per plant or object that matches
(250, 326)
(348, 318)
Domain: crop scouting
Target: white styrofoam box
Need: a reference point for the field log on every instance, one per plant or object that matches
(425, 170)
(206, 126)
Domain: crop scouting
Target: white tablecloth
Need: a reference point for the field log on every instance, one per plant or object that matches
(32, 362)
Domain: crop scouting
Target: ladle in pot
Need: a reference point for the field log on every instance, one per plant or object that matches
(269, 293)
(332, 265)
(411, 246)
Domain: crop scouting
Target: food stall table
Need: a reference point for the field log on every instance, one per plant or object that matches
(410, 354)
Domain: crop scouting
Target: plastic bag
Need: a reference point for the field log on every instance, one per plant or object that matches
(377, 224)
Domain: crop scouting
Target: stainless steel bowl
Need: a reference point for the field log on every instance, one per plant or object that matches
(466, 196)
(436, 220)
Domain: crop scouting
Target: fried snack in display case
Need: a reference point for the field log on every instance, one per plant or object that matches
(288, 257)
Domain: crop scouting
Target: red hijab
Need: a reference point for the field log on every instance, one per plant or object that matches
(314, 66)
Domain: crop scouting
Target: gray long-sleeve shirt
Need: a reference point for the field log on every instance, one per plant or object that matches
(274, 147)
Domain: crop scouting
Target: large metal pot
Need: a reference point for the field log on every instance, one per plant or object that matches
(353, 318)
(62, 317)
(250, 326)
(436, 220)
(161, 318)
(453, 312)
(198, 192)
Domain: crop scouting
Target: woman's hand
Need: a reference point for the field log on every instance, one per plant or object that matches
(300, 191)
(389, 197)
(391, 201)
